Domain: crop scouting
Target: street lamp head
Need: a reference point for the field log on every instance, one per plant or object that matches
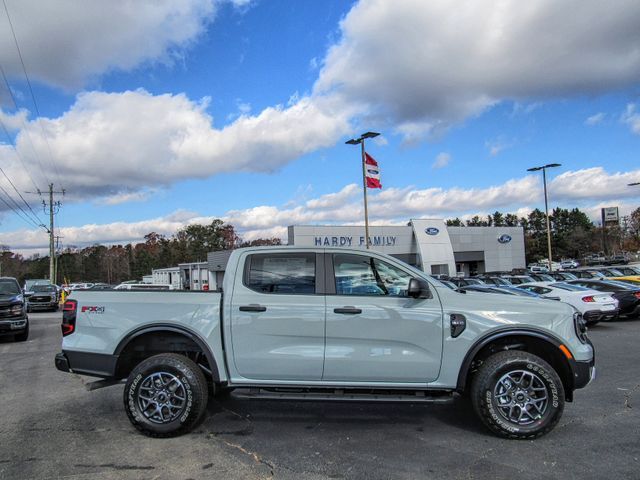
(353, 141)
(369, 135)
(633, 184)
(548, 165)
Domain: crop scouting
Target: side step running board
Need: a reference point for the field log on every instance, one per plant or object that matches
(341, 395)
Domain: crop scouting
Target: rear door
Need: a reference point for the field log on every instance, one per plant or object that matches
(375, 332)
(278, 316)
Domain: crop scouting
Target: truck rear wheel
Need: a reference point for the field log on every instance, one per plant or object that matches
(166, 395)
(517, 395)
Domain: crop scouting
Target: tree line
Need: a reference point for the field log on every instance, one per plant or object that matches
(117, 263)
(573, 235)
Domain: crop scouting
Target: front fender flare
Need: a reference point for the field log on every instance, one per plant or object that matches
(511, 332)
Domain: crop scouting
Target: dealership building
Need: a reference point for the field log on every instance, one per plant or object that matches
(428, 244)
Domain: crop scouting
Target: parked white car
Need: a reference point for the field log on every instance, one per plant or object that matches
(595, 306)
(536, 268)
(554, 265)
(569, 264)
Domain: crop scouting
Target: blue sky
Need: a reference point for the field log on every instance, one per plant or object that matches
(156, 114)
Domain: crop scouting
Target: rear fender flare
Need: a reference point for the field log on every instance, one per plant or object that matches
(166, 327)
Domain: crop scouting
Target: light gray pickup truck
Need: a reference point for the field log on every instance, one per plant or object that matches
(328, 324)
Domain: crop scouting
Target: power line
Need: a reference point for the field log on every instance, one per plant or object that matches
(12, 184)
(17, 212)
(35, 215)
(24, 126)
(6, 131)
(33, 97)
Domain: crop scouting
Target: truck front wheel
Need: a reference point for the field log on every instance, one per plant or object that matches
(517, 395)
(165, 395)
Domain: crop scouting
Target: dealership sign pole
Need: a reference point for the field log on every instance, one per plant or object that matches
(366, 177)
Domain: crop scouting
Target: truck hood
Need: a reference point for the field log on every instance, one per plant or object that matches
(10, 299)
(495, 310)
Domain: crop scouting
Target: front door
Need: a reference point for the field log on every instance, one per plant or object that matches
(375, 332)
(278, 317)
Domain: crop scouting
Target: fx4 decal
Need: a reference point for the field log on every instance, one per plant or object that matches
(92, 309)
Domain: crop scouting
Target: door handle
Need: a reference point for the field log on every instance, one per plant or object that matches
(347, 310)
(253, 308)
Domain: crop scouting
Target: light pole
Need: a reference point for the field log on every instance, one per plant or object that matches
(356, 141)
(546, 204)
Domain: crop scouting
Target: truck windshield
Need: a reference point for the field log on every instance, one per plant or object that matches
(43, 288)
(9, 287)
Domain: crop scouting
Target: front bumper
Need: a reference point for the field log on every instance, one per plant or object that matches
(13, 326)
(43, 305)
(585, 373)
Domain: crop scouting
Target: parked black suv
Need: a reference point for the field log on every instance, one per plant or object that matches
(13, 311)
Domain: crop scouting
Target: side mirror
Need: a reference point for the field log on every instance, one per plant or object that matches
(26, 293)
(418, 288)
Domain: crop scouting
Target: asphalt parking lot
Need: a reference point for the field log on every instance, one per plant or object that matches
(53, 428)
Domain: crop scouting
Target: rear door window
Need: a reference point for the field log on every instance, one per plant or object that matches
(282, 273)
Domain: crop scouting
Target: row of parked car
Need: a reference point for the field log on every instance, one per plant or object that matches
(600, 294)
(569, 264)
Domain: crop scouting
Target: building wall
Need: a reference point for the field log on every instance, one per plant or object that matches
(194, 275)
(167, 276)
(498, 256)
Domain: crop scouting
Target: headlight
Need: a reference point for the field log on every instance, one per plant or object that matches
(16, 309)
(580, 326)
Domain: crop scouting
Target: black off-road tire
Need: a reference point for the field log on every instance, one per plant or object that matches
(486, 405)
(192, 388)
(22, 337)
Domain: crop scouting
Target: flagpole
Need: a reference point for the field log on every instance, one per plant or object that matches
(356, 141)
(364, 186)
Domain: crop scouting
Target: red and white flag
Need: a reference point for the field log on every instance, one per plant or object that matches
(372, 172)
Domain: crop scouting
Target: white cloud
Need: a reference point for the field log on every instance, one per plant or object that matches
(632, 118)
(126, 197)
(332, 200)
(66, 42)
(442, 160)
(110, 144)
(593, 184)
(426, 75)
(596, 119)
(389, 207)
(13, 121)
(421, 78)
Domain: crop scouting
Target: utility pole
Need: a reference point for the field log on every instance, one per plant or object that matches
(53, 207)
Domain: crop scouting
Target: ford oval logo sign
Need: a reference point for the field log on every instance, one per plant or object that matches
(431, 231)
(504, 238)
